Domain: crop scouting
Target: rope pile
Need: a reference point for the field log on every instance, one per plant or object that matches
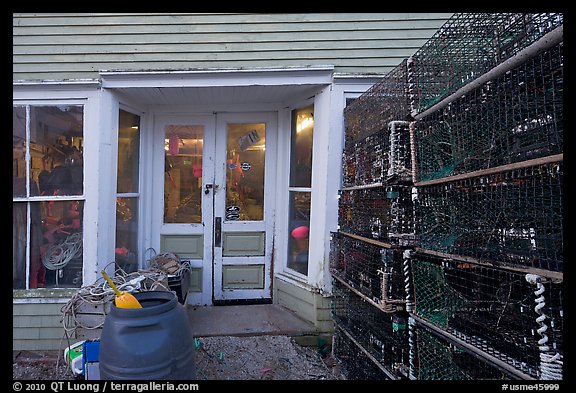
(100, 293)
(169, 262)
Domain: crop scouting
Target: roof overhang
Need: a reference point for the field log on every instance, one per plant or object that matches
(218, 86)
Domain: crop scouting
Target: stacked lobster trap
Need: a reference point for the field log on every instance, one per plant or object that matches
(375, 227)
(452, 201)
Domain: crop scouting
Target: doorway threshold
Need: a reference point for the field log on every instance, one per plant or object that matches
(246, 320)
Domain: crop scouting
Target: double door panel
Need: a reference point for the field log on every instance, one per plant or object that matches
(213, 204)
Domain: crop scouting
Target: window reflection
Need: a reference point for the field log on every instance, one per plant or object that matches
(127, 234)
(19, 224)
(299, 229)
(126, 249)
(128, 152)
(19, 151)
(56, 150)
(183, 145)
(56, 244)
(301, 151)
(47, 151)
(245, 153)
(300, 191)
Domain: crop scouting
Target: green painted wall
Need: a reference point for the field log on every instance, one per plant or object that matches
(71, 46)
(38, 326)
(309, 305)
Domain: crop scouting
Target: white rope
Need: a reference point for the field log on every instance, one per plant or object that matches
(59, 255)
(407, 255)
(550, 364)
(412, 346)
(101, 294)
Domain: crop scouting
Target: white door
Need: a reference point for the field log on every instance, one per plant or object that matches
(244, 206)
(183, 202)
(213, 203)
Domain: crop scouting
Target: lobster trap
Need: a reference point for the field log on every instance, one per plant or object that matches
(467, 46)
(513, 217)
(357, 363)
(454, 161)
(383, 157)
(515, 117)
(383, 213)
(384, 336)
(374, 271)
(385, 101)
(433, 357)
(514, 317)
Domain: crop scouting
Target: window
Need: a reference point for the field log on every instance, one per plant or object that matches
(245, 156)
(183, 147)
(127, 192)
(48, 196)
(300, 188)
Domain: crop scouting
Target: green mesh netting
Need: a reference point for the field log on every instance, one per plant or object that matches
(435, 300)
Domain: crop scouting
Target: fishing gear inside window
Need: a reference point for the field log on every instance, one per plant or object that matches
(183, 145)
(47, 179)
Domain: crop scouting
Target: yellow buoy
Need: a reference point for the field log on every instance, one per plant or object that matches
(123, 299)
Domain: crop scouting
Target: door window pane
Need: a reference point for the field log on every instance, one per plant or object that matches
(128, 152)
(245, 153)
(299, 229)
(183, 145)
(301, 151)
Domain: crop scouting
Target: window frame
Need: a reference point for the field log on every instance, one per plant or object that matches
(29, 199)
(137, 195)
(289, 189)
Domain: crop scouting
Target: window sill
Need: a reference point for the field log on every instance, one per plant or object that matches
(43, 294)
(295, 280)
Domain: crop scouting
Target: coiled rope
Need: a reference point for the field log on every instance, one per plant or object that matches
(59, 255)
(550, 363)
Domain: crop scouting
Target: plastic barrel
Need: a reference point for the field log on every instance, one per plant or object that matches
(154, 342)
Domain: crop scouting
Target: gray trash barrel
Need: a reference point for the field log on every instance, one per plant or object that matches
(154, 342)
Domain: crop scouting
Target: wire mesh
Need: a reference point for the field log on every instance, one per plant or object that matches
(356, 365)
(373, 270)
(467, 46)
(383, 335)
(514, 217)
(382, 213)
(436, 358)
(515, 117)
(366, 161)
(385, 101)
(382, 157)
(491, 309)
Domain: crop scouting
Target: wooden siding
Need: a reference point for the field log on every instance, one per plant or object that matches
(308, 305)
(77, 46)
(38, 326)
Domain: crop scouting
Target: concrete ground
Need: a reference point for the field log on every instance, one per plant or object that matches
(246, 320)
(212, 321)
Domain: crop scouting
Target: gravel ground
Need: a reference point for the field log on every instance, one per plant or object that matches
(224, 358)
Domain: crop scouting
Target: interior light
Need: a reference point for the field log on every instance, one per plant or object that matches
(306, 122)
